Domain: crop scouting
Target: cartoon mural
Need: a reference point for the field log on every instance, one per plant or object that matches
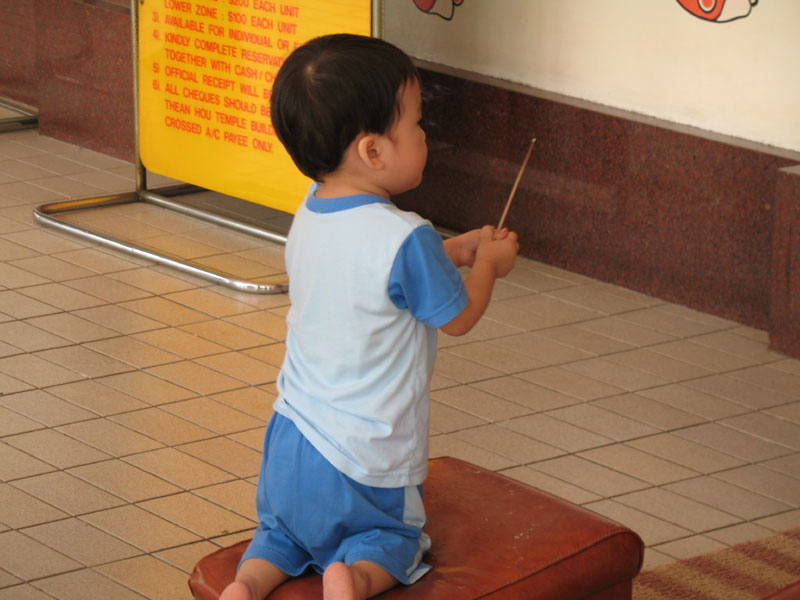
(719, 11)
(441, 8)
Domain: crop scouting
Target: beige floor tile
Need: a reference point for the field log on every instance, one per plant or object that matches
(448, 445)
(652, 529)
(180, 343)
(28, 559)
(686, 453)
(570, 383)
(70, 494)
(768, 428)
(44, 241)
(133, 352)
(264, 322)
(18, 306)
(596, 298)
(539, 347)
(252, 438)
(226, 454)
(163, 425)
(227, 334)
(110, 437)
(777, 380)
(686, 399)
(706, 357)
(72, 328)
(238, 496)
(765, 481)
(551, 485)
(81, 542)
(676, 323)
(677, 509)
(638, 464)
(195, 377)
(272, 354)
(602, 422)
(789, 412)
(100, 399)
(730, 441)
(253, 401)
(787, 520)
(86, 584)
(29, 338)
(119, 319)
(11, 422)
(214, 416)
(179, 468)
(151, 280)
(45, 408)
(740, 391)
(479, 403)
(738, 501)
(198, 515)
(496, 357)
(210, 302)
(36, 371)
(691, 546)
(462, 370)
(140, 528)
(555, 432)
(659, 365)
(532, 396)
(7, 580)
(62, 296)
(653, 558)
(147, 387)
(150, 577)
(754, 350)
(588, 342)
(84, 361)
(241, 366)
(589, 475)
(108, 289)
(165, 311)
(788, 465)
(51, 268)
(98, 260)
(186, 557)
(446, 419)
(737, 534)
(515, 446)
(56, 448)
(15, 277)
(15, 464)
(124, 480)
(642, 409)
(23, 510)
(180, 246)
(238, 266)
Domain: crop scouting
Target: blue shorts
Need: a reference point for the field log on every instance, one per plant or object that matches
(311, 515)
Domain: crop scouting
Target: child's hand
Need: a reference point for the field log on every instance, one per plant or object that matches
(461, 248)
(498, 247)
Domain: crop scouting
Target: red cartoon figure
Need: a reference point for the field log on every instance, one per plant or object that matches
(719, 11)
(442, 8)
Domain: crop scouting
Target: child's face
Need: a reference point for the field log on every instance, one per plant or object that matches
(408, 150)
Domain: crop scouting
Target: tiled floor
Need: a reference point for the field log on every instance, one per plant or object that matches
(133, 398)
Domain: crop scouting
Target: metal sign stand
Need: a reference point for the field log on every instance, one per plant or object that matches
(47, 214)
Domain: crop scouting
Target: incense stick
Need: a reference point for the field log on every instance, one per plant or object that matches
(516, 184)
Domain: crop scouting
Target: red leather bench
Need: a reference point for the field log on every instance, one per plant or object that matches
(493, 537)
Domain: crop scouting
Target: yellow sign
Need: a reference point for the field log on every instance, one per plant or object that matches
(205, 75)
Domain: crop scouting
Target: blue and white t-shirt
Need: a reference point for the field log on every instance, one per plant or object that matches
(370, 284)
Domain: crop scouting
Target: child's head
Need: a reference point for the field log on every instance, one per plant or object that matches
(330, 90)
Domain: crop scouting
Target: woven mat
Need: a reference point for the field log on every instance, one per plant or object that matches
(747, 571)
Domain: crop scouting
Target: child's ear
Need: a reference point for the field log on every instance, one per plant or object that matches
(369, 150)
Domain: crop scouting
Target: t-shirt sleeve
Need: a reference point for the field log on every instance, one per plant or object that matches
(424, 280)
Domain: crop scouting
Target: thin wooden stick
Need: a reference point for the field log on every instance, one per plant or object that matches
(516, 184)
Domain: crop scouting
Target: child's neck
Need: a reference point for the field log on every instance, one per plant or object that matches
(335, 188)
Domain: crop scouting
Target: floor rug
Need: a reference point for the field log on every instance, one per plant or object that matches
(747, 571)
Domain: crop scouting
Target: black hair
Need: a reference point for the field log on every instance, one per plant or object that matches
(331, 89)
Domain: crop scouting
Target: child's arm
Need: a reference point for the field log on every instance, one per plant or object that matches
(493, 257)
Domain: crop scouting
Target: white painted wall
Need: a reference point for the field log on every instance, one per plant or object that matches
(740, 78)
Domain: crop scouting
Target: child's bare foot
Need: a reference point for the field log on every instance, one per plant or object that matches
(338, 583)
(238, 590)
